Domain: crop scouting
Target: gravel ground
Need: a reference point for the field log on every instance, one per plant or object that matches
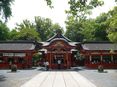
(16, 79)
(106, 79)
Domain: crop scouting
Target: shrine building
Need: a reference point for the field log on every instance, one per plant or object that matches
(59, 48)
(17, 52)
(71, 54)
(60, 52)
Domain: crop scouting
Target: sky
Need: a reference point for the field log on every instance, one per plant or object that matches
(28, 9)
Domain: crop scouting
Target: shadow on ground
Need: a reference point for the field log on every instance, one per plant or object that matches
(71, 69)
(2, 78)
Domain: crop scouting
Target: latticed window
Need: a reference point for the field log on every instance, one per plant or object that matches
(10, 60)
(107, 58)
(1, 54)
(95, 59)
(115, 58)
(1, 60)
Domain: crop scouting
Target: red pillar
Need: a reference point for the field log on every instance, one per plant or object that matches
(69, 56)
(50, 60)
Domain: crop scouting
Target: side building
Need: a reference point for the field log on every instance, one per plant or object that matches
(17, 52)
(99, 53)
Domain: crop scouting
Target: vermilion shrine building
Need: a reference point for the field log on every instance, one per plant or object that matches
(17, 52)
(88, 54)
(99, 53)
(58, 47)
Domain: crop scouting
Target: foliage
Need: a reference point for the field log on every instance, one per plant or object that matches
(26, 31)
(87, 29)
(13, 34)
(5, 8)
(49, 3)
(100, 26)
(4, 31)
(113, 36)
(80, 8)
(100, 68)
(45, 27)
(79, 56)
(112, 25)
(37, 57)
(41, 30)
(74, 29)
(13, 68)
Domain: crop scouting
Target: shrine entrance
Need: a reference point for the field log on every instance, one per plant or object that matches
(59, 54)
(58, 51)
(58, 60)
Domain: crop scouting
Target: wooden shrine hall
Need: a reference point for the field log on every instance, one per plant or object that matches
(17, 52)
(59, 48)
(60, 52)
(99, 53)
(71, 54)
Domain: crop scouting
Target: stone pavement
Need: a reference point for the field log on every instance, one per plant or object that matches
(108, 78)
(59, 79)
(16, 79)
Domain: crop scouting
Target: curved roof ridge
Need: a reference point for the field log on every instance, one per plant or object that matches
(59, 36)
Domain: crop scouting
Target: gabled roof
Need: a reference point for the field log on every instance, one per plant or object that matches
(58, 35)
(17, 45)
(99, 46)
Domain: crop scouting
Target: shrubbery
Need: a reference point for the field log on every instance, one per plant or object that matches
(13, 68)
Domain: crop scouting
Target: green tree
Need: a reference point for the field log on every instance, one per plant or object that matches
(80, 8)
(4, 31)
(100, 26)
(26, 31)
(88, 30)
(45, 27)
(5, 8)
(74, 29)
(112, 25)
(13, 34)
(112, 29)
(36, 58)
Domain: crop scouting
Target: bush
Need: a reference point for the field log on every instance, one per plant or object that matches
(13, 68)
(100, 68)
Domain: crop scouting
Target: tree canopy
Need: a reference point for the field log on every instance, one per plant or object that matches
(4, 31)
(40, 30)
(5, 8)
(25, 31)
(112, 25)
(45, 27)
(78, 26)
(80, 8)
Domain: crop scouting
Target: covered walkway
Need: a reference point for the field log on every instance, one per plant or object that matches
(59, 79)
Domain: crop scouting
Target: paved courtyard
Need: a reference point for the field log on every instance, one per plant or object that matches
(59, 79)
(106, 79)
(12, 79)
(68, 78)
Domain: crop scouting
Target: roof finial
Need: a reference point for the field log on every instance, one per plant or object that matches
(58, 31)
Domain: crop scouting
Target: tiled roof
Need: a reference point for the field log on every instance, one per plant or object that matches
(58, 36)
(70, 43)
(99, 46)
(17, 46)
